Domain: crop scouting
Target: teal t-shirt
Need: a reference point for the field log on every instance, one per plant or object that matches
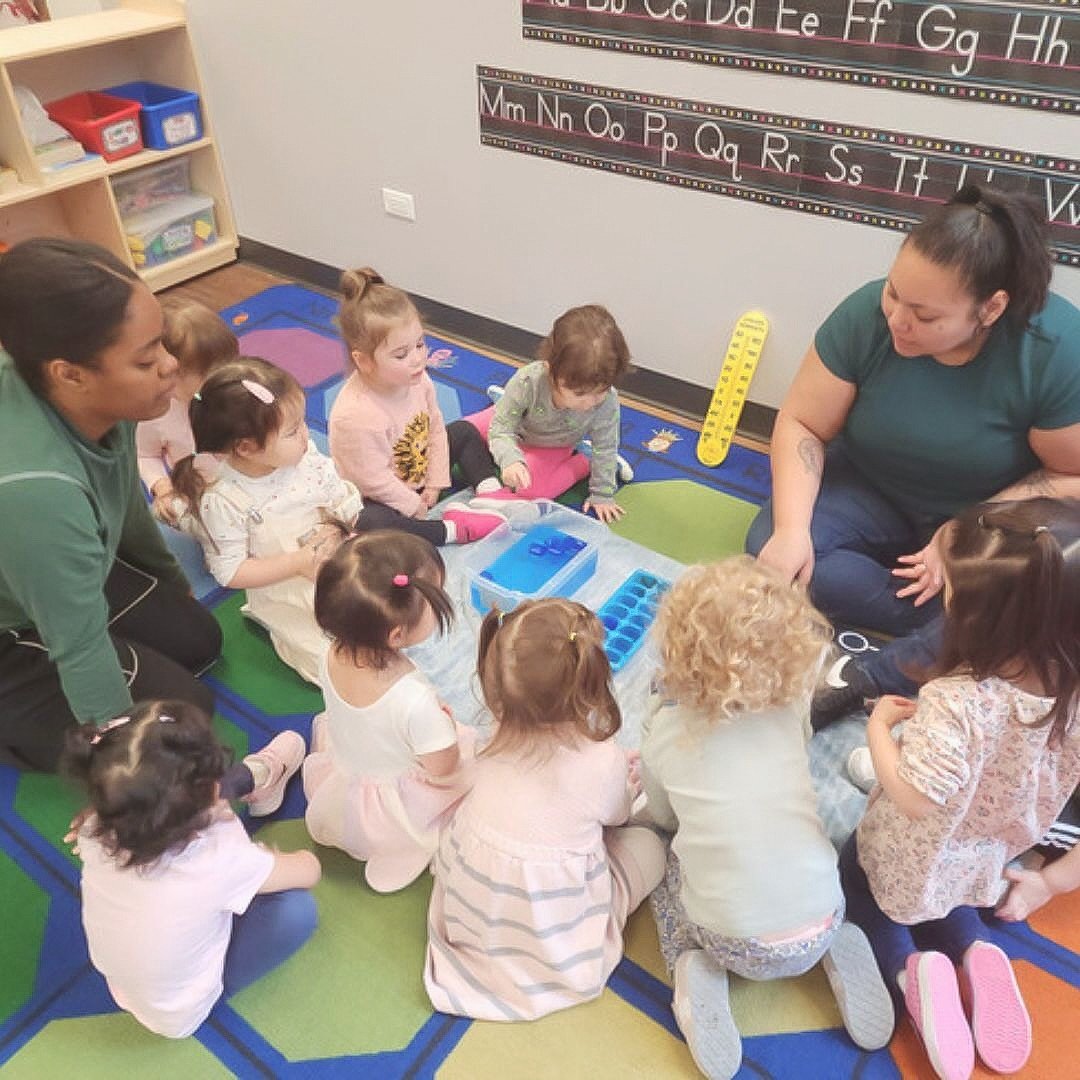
(935, 439)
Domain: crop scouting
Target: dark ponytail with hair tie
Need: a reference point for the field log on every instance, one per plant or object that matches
(993, 240)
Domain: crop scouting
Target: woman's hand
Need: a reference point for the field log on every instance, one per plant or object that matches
(1028, 891)
(791, 552)
(607, 512)
(517, 476)
(924, 570)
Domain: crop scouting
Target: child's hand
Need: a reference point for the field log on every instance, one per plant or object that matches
(633, 765)
(517, 476)
(72, 835)
(167, 505)
(924, 570)
(317, 547)
(607, 512)
(892, 709)
(429, 497)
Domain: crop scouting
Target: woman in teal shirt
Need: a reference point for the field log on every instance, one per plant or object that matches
(954, 380)
(94, 610)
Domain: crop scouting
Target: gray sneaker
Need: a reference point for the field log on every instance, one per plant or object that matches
(861, 996)
(703, 1013)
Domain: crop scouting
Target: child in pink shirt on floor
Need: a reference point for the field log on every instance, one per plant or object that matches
(200, 341)
(387, 433)
(538, 871)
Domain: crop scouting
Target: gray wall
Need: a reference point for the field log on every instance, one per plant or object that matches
(318, 106)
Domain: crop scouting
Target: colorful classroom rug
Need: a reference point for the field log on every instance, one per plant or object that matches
(351, 1002)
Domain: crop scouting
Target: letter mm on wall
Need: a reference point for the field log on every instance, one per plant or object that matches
(853, 173)
(1021, 54)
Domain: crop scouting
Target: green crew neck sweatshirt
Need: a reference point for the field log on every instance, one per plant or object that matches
(68, 508)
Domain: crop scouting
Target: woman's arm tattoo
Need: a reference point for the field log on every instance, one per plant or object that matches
(812, 455)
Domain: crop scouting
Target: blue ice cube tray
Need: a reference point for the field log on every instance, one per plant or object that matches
(544, 562)
(628, 613)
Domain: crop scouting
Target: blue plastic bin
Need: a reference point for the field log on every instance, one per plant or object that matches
(170, 117)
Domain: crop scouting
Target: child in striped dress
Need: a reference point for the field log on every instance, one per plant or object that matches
(538, 872)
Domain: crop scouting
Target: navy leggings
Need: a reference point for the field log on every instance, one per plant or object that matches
(894, 942)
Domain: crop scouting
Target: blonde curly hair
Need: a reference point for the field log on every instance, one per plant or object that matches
(735, 637)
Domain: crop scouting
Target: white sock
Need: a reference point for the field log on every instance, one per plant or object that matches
(451, 531)
(492, 483)
(260, 771)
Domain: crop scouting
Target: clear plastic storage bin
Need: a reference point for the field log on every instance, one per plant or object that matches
(510, 566)
(144, 189)
(174, 228)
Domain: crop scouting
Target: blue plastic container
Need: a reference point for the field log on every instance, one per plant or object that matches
(543, 562)
(628, 613)
(170, 117)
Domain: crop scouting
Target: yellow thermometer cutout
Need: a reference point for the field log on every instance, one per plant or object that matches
(729, 394)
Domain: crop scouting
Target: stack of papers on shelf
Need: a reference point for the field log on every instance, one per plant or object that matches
(59, 152)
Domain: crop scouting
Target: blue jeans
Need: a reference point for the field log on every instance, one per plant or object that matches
(274, 926)
(894, 942)
(857, 535)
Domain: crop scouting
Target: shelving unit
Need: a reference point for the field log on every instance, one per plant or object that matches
(140, 39)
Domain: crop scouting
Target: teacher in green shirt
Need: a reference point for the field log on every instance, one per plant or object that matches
(954, 380)
(94, 610)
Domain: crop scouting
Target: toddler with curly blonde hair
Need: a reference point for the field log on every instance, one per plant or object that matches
(752, 884)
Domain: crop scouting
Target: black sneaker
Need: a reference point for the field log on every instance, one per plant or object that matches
(844, 690)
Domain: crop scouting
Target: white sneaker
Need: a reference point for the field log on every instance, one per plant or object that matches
(860, 768)
(281, 757)
(624, 470)
(494, 392)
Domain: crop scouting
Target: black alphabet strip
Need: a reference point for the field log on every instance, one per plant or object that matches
(1021, 54)
(865, 175)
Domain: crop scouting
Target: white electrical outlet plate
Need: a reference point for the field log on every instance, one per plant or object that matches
(399, 204)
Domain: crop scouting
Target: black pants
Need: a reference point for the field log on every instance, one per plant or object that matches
(469, 452)
(163, 639)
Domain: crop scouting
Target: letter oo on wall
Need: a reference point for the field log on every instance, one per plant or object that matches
(599, 125)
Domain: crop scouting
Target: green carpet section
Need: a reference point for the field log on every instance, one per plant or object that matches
(48, 803)
(249, 666)
(109, 1047)
(25, 909)
(684, 520)
(356, 986)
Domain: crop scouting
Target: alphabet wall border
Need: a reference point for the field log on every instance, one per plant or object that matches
(1025, 55)
(852, 173)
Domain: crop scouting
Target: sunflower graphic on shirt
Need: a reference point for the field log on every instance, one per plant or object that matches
(411, 450)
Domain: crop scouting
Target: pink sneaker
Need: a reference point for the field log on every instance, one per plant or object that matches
(999, 1018)
(472, 524)
(932, 997)
(282, 756)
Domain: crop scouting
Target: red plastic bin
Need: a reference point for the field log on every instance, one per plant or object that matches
(107, 125)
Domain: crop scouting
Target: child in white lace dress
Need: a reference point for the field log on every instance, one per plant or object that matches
(276, 507)
(988, 756)
(388, 763)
